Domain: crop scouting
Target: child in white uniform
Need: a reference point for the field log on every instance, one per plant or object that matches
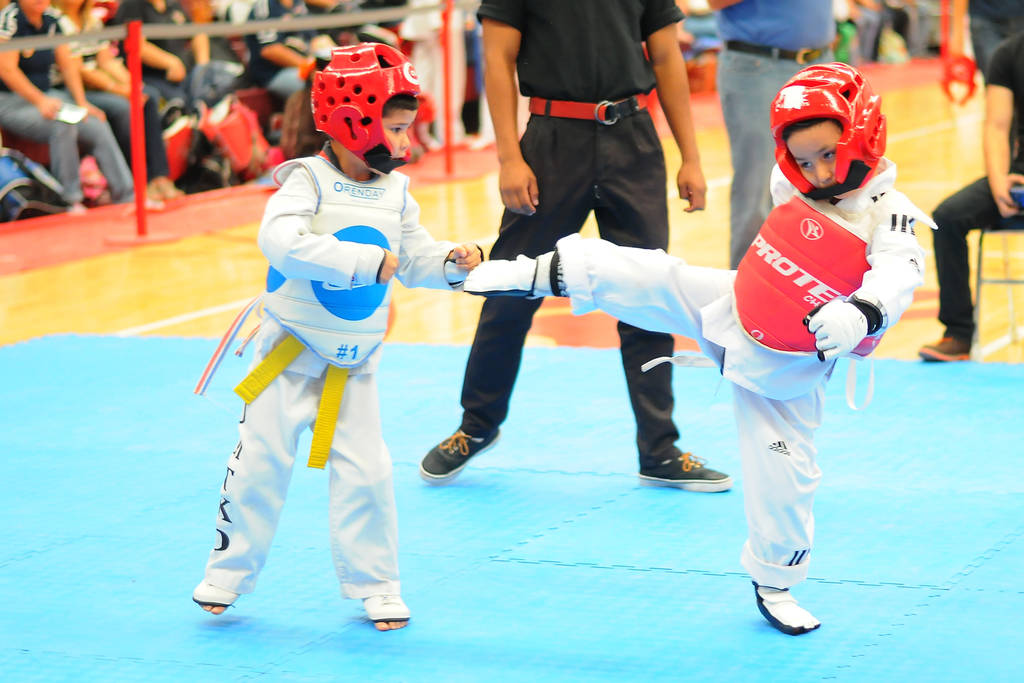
(340, 226)
(834, 265)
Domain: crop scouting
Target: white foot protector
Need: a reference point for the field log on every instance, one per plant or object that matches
(780, 609)
(386, 608)
(208, 595)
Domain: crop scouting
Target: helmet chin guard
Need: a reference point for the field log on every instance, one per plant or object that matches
(349, 94)
(834, 91)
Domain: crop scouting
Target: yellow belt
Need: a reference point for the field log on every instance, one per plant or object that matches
(330, 398)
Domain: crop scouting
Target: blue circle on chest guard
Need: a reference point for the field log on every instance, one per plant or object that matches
(347, 304)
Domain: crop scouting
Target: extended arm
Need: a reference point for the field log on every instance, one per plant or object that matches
(428, 262)
(646, 288)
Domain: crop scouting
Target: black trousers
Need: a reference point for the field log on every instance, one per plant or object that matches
(971, 208)
(618, 172)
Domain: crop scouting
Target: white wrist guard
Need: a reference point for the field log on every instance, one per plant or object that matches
(503, 278)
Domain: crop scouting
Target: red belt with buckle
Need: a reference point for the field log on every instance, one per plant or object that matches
(605, 112)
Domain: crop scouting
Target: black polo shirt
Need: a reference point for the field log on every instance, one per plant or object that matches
(583, 50)
(36, 64)
(1006, 69)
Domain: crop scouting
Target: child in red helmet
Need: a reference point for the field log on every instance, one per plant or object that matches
(834, 265)
(341, 226)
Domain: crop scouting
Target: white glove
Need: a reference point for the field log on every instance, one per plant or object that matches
(838, 327)
(503, 278)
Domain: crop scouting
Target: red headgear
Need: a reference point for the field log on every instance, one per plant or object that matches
(835, 91)
(348, 98)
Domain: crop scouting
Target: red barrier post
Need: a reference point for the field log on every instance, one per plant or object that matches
(134, 49)
(446, 24)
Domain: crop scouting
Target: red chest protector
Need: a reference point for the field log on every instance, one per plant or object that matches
(799, 260)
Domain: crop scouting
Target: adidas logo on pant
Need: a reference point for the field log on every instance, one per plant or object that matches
(779, 447)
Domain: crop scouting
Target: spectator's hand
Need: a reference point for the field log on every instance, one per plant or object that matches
(838, 327)
(1001, 194)
(518, 187)
(49, 106)
(692, 186)
(95, 112)
(388, 266)
(176, 71)
(466, 256)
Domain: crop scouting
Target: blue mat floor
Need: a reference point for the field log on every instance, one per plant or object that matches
(544, 561)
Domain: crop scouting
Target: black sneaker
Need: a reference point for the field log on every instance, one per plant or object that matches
(685, 471)
(445, 460)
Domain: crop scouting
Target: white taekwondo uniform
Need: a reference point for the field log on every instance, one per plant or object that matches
(323, 234)
(778, 395)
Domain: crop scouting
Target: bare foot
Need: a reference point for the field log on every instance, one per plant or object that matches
(214, 609)
(390, 625)
(213, 599)
(168, 189)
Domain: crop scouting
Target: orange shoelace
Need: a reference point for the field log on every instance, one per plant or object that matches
(457, 441)
(691, 462)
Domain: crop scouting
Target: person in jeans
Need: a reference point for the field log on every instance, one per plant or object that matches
(766, 42)
(108, 85)
(31, 107)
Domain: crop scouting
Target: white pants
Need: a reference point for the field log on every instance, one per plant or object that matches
(780, 476)
(362, 515)
(658, 292)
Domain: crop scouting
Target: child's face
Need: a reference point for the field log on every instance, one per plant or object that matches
(814, 150)
(396, 129)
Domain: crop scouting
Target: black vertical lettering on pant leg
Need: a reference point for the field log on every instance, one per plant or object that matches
(237, 453)
(224, 502)
(227, 475)
(222, 537)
